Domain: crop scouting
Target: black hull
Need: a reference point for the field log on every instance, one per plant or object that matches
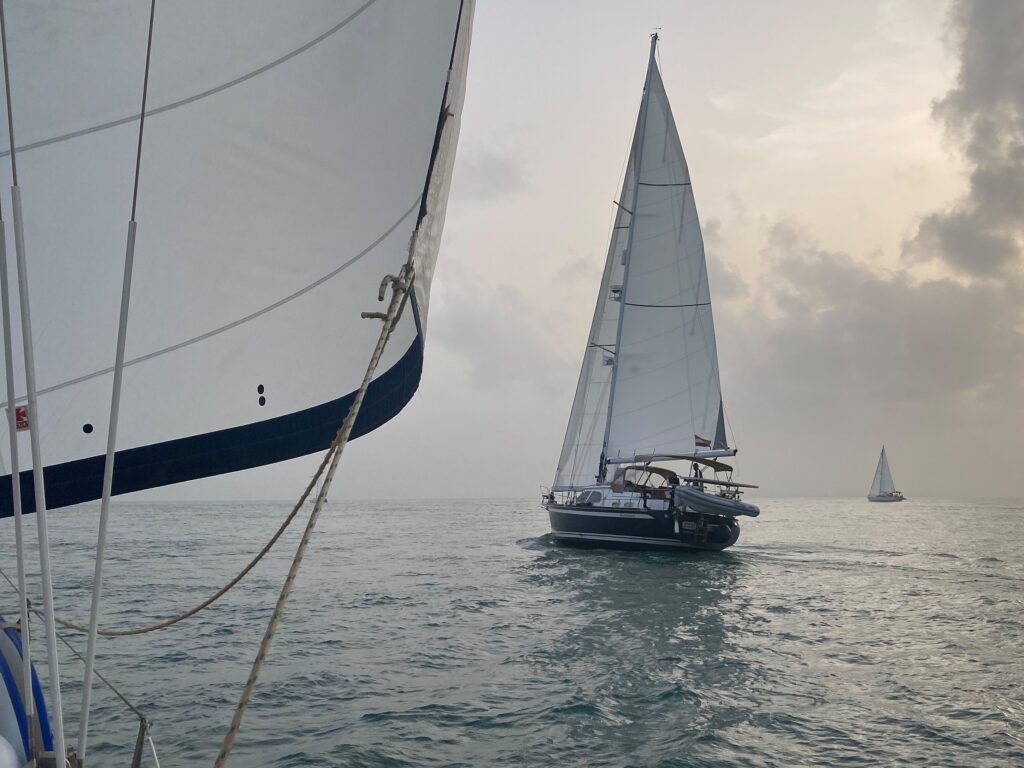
(611, 528)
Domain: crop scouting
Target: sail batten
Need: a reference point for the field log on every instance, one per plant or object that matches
(663, 394)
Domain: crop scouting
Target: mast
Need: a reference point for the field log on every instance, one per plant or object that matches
(33, 422)
(641, 129)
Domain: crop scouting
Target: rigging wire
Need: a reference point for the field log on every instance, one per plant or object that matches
(39, 484)
(401, 289)
(115, 409)
(12, 434)
(227, 587)
(202, 94)
(238, 321)
(124, 699)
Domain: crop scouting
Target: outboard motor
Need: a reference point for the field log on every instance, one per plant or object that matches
(703, 531)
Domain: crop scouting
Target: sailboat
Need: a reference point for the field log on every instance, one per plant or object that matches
(882, 486)
(649, 393)
(209, 204)
(315, 495)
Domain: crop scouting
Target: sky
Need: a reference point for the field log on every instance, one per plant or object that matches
(858, 169)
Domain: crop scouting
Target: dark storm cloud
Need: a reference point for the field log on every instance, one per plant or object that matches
(983, 234)
(836, 358)
(841, 333)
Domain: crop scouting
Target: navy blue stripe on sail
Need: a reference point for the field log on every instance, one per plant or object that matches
(226, 450)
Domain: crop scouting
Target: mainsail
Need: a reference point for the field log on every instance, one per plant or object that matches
(649, 384)
(882, 482)
(286, 149)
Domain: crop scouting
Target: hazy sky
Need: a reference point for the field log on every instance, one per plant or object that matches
(859, 172)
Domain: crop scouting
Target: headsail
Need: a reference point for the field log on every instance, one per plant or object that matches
(659, 392)
(882, 482)
(584, 437)
(282, 178)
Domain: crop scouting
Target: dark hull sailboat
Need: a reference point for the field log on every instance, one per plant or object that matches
(610, 528)
(649, 388)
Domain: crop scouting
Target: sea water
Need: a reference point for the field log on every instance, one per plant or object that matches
(454, 633)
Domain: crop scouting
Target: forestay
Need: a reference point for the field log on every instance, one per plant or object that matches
(286, 152)
(650, 382)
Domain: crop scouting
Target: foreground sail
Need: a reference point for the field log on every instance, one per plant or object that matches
(278, 161)
(882, 486)
(282, 177)
(649, 388)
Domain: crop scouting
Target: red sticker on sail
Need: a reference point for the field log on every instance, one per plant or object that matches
(21, 418)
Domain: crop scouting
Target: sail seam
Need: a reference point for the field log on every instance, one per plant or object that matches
(202, 95)
(234, 323)
(668, 306)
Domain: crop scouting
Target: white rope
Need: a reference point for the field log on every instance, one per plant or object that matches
(400, 291)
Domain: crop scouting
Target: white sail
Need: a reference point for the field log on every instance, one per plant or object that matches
(282, 177)
(660, 392)
(882, 482)
(584, 438)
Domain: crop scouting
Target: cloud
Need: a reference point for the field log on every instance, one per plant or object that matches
(501, 335)
(485, 175)
(983, 233)
(725, 281)
(840, 327)
(835, 358)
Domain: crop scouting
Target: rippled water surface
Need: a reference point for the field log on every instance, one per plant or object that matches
(452, 633)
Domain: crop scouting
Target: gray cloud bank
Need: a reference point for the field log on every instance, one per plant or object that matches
(835, 358)
(983, 233)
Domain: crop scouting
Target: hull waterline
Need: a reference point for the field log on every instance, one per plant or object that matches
(610, 528)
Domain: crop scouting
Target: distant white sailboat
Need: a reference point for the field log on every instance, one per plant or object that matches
(316, 494)
(649, 389)
(882, 487)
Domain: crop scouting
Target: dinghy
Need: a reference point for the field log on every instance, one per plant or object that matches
(649, 392)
